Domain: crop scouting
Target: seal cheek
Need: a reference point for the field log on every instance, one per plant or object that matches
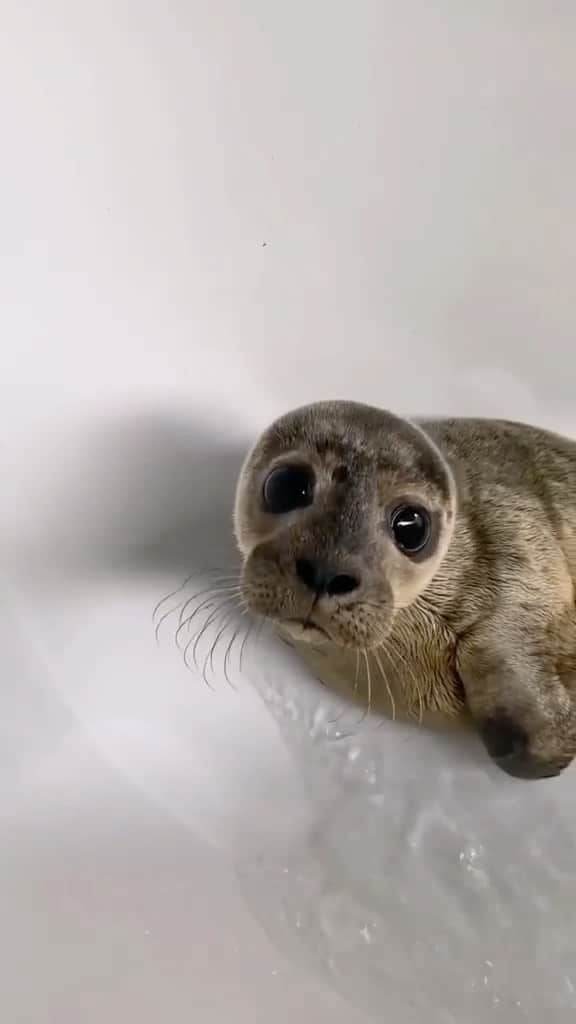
(508, 744)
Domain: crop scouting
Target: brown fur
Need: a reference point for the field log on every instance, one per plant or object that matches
(486, 620)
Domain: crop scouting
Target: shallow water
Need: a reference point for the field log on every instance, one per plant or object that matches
(426, 875)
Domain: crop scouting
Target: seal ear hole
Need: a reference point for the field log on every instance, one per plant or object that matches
(340, 475)
(411, 528)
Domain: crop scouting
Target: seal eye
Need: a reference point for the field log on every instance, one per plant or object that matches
(410, 526)
(288, 488)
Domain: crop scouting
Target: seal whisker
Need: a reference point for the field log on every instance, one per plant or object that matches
(228, 578)
(231, 643)
(395, 649)
(221, 586)
(206, 603)
(244, 644)
(189, 666)
(230, 594)
(259, 630)
(249, 633)
(182, 605)
(171, 594)
(417, 686)
(208, 657)
(368, 686)
(227, 622)
(195, 640)
(214, 616)
(161, 622)
(357, 673)
(386, 683)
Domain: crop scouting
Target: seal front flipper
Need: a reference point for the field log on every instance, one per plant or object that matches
(521, 705)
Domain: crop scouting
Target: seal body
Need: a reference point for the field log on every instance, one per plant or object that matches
(430, 565)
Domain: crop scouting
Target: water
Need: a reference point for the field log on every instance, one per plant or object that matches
(428, 884)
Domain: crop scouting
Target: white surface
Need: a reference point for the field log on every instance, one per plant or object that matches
(173, 853)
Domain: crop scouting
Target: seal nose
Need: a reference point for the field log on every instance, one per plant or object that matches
(322, 578)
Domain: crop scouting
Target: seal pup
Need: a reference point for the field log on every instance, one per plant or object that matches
(436, 560)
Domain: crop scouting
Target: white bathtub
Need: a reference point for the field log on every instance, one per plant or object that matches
(210, 213)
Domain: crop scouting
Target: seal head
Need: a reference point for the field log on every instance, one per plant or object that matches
(343, 515)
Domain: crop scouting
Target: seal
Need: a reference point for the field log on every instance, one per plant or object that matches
(434, 562)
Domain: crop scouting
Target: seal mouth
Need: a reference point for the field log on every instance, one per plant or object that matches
(307, 627)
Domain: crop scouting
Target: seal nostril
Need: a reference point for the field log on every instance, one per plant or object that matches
(306, 571)
(342, 584)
